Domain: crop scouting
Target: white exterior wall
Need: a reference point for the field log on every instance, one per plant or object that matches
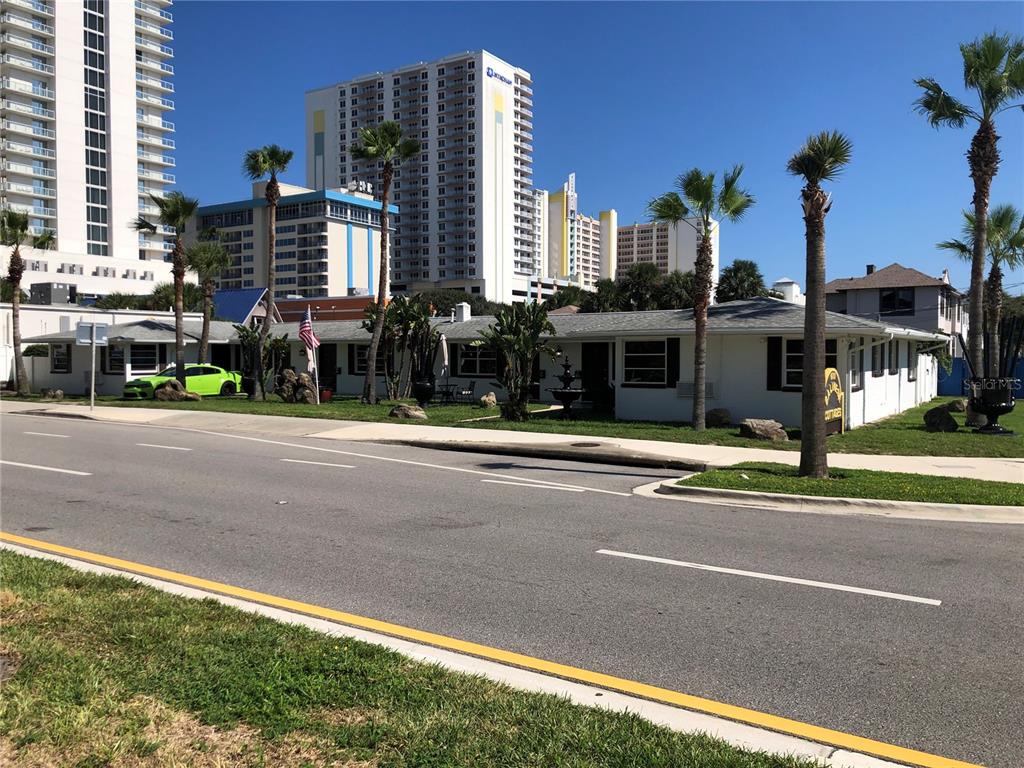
(89, 273)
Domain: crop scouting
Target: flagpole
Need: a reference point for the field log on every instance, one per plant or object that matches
(316, 372)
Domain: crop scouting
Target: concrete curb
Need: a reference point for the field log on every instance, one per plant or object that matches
(922, 510)
(676, 718)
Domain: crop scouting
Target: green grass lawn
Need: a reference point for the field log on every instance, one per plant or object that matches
(899, 435)
(859, 484)
(111, 672)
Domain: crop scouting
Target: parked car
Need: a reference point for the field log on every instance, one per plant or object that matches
(201, 379)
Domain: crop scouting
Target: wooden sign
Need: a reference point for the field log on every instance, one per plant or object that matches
(835, 403)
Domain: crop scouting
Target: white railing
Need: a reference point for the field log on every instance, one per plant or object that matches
(22, 128)
(20, 21)
(28, 109)
(36, 66)
(25, 42)
(17, 146)
(30, 170)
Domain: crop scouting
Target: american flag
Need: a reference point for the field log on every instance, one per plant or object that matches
(306, 331)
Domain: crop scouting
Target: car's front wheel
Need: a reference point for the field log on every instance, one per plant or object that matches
(227, 389)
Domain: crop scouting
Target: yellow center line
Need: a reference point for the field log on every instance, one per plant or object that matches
(577, 674)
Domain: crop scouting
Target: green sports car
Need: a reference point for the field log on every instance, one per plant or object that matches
(199, 378)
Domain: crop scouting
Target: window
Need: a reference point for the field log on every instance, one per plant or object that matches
(896, 301)
(857, 365)
(476, 361)
(144, 356)
(112, 359)
(793, 361)
(878, 359)
(60, 358)
(894, 358)
(911, 361)
(359, 367)
(644, 364)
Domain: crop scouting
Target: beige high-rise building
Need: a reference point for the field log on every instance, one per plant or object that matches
(85, 137)
(669, 247)
(580, 248)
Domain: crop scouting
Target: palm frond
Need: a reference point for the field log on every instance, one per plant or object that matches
(141, 224)
(668, 208)
(822, 157)
(255, 164)
(45, 240)
(277, 158)
(940, 108)
(699, 190)
(733, 201)
(959, 247)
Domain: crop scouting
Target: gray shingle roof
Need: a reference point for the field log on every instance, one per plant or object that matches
(149, 330)
(755, 316)
(893, 276)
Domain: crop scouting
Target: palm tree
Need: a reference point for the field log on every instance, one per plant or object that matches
(383, 144)
(638, 286)
(821, 158)
(269, 160)
(175, 212)
(1004, 245)
(207, 258)
(675, 290)
(161, 298)
(741, 280)
(994, 69)
(518, 337)
(14, 233)
(605, 298)
(700, 206)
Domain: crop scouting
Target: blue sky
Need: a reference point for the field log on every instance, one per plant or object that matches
(628, 95)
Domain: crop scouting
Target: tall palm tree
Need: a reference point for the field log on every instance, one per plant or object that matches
(14, 234)
(383, 144)
(994, 69)
(175, 212)
(270, 160)
(702, 207)
(1004, 246)
(638, 287)
(821, 158)
(207, 258)
(741, 280)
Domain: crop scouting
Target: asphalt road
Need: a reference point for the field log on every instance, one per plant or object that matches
(505, 551)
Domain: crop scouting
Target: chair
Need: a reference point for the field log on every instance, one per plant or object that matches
(465, 393)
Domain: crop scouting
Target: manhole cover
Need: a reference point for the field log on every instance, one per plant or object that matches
(586, 445)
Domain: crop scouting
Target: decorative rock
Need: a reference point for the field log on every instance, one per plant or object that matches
(407, 412)
(172, 391)
(718, 417)
(52, 394)
(307, 396)
(763, 429)
(939, 419)
(489, 400)
(957, 406)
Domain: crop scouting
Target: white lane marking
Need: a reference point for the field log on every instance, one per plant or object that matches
(534, 485)
(168, 447)
(47, 469)
(319, 463)
(43, 434)
(772, 577)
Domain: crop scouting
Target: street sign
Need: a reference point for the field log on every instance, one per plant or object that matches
(84, 337)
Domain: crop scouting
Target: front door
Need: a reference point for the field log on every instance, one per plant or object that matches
(328, 360)
(594, 376)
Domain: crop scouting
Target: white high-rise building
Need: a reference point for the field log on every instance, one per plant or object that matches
(468, 214)
(85, 137)
(580, 248)
(670, 247)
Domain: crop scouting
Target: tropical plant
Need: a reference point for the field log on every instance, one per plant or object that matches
(162, 298)
(741, 280)
(392, 341)
(676, 290)
(605, 297)
(14, 233)
(269, 160)
(260, 357)
(117, 300)
(518, 336)
(382, 144)
(175, 211)
(1004, 247)
(442, 301)
(423, 339)
(821, 158)
(37, 350)
(566, 296)
(994, 70)
(7, 291)
(637, 288)
(207, 258)
(701, 206)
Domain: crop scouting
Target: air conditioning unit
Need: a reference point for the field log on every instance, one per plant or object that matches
(685, 389)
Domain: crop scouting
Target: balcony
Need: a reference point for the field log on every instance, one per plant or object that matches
(153, 82)
(154, 47)
(155, 245)
(20, 62)
(27, 149)
(32, 5)
(153, 157)
(26, 43)
(28, 109)
(153, 99)
(36, 211)
(34, 190)
(152, 191)
(28, 130)
(163, 178)
(154, 29)
(159, 141)
(29, 24)
(154, 122)
(24, 169)
(153, 11)
(21, 86)
(153, 64)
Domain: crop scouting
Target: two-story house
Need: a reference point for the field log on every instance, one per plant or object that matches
(902, 295)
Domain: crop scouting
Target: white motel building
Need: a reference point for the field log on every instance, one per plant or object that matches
(86, 180)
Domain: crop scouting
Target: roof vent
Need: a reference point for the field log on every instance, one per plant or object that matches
(871, 269)
(462, 312)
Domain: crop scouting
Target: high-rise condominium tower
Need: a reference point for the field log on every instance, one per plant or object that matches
(468, 215)
(85, 137)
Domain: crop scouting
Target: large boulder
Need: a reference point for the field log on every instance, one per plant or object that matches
(52, 394)
(939, 419)
(172, 391)
(407, 412)
(763, 429)
(718, 417)
(307, 396)
(489, 400)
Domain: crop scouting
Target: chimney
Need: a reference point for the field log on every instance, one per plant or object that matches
(945, 276)
(871, 269)
(462, 312)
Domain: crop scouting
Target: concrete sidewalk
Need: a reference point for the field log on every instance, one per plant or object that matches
(654, 453)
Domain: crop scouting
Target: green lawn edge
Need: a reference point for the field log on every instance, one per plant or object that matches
(99, 654)
(768, 477)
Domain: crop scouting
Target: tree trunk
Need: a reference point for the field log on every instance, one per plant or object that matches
(702, 284)
(994, 300)
(178, 272)
(383, 286)
(813, 453)
(983, 160)
(15, 270)
(204, 340)
(272, 194)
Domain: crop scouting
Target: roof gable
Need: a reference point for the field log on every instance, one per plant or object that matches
(893, 276)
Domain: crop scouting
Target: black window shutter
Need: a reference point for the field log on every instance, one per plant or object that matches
(162, 353)
(453, 359)
(351, 359)
(774, 363)
(671, 362)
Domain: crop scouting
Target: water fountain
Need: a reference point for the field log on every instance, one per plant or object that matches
(566, 394)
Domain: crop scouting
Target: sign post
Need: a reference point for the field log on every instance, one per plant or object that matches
(835, 405)
(94, 335)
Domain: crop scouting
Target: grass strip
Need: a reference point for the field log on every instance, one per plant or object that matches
(109, 671)
(859, 484)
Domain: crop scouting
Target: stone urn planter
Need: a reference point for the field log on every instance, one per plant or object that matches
(993, 397)
(423, 391)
